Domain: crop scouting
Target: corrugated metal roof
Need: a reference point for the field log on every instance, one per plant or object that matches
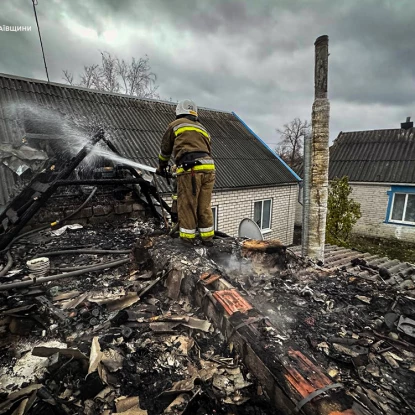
(339, 257)
(386, 156)
(135, 126)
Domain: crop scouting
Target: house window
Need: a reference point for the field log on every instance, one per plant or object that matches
(215, 217)
(262, 214)
(401, 207)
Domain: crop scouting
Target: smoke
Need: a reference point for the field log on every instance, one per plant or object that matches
(234, 265)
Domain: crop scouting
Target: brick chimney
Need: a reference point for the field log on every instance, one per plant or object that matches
(316, 159)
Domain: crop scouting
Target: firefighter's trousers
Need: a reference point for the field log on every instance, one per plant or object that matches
(195, 211)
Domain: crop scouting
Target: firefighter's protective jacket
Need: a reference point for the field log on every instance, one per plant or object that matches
(185, 137)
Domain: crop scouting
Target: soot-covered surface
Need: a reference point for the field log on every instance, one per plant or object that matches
(360, 330)
(81, 345)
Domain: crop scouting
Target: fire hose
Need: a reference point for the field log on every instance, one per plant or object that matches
(82, 251)
(21, 284)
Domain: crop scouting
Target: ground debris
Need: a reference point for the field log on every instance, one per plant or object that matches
(133, 334)
(360, 330)
(128, 406)
(97, 345)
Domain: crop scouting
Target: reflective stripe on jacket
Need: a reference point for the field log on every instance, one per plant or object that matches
(183, 136)
(183, 127)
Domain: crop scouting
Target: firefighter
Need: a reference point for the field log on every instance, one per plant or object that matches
(189, 143)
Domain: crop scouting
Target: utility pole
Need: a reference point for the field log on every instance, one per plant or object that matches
(40, 38)
(316, 160)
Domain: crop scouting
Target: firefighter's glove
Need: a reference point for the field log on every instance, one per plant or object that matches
(161, 171)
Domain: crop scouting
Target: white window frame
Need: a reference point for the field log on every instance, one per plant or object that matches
(404, 209)
(266, 230)
(215, 211)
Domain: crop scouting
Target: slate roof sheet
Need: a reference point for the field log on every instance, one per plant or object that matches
(135, 126)
(386, 156)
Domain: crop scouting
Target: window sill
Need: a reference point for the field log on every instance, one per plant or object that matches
(399, 223)
(264, 231)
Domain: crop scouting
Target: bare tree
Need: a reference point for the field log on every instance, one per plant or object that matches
(115, 75)
(68, 77)
(290, 147)
(89, 77)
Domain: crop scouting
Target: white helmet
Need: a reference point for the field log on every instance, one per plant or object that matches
(186, 106)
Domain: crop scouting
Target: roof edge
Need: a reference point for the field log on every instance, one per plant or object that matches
(97, 91)
(252, 187)
(367, 131)
(296, 176)
(385, 184)
(244, 188)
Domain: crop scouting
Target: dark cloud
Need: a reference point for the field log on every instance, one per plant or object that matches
(254, 58)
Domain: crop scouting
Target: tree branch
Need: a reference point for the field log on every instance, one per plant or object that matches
(68, 76)
(291, 141)
(117, 75)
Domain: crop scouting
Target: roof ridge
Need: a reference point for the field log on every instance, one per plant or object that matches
(367, 131)
(97, 91)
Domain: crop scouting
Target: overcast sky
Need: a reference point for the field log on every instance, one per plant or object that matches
(252, 57)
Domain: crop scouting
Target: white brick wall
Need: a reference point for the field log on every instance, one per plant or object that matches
(373, 201)
(233, 206)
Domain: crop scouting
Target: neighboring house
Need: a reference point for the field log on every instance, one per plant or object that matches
(380, 165)
(251, 180)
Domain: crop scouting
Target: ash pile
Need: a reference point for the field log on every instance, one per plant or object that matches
(356, 319)
(130, 334)
(112, 340)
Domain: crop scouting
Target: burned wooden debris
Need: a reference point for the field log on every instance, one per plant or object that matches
(61, 170)
(112, 341)
(319, 338)
(251, 332)
(181, 329)
(34, 196)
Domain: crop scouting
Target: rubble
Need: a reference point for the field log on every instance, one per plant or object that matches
(179, 329)
(337, 317)
(112, 341)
